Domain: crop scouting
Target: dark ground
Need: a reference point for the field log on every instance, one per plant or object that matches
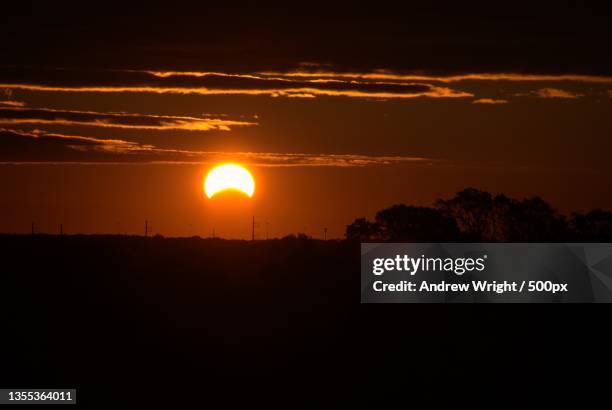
(179, 323)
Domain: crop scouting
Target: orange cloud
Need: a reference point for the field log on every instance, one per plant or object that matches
(12, 103)
(489, 101)
(18, 115)
(431, 91)
(556, 93)
(40, 146)
(380, 84)
(393, 76)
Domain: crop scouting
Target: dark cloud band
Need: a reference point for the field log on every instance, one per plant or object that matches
(39, 146)
(19, 115)
(214, 83)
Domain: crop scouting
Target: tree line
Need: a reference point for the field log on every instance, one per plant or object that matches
(474, 215)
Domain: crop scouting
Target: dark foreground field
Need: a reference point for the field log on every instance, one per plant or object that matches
(180, 323)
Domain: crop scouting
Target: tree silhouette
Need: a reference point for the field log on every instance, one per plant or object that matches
(532, 219)
(363, 230)
(472, 210)
(412, 223)
(595, 226)
(476, 215)
(482, 217)
(405, 223)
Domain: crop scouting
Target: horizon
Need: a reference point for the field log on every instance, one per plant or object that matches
(259, 230)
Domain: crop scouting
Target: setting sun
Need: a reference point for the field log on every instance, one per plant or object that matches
(229, 176)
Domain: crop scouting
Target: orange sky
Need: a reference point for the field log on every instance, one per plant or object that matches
(105, 125)
(118, 198)
(318, 162)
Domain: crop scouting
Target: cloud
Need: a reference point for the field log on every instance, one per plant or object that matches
(215, 83)
(12, 103)
(375, 84)
(490, 101)
(556, 93)
(41, 147)
(20, 115)
(420, 90)
(303, 83)
(388, 75)
(21, 146)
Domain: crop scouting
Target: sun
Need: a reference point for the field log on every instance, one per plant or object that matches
(229, 176)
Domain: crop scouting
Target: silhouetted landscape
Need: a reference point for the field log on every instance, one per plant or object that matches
(176, 321)
(473, 215)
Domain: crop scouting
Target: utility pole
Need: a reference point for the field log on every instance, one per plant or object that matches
(253, 229)
(146, 228)
(61, 229)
